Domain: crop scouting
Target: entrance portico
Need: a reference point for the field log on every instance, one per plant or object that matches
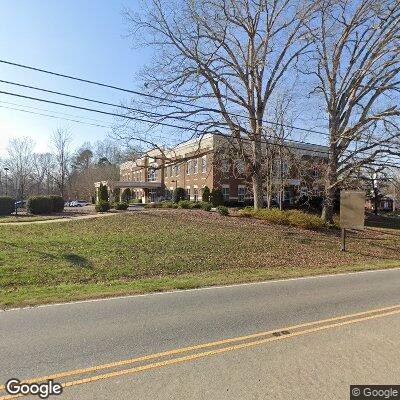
(152, 191)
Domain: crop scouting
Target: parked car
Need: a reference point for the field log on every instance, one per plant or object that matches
(19, 204)
(78, 203)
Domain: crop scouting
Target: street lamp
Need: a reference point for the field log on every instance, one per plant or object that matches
(6, 169)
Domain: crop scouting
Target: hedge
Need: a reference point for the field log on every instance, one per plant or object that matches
(222, 210)
(40, 205)
(102, 206)
(178, 195)
(57, 203)
(121, 206)
(7, 205)
(296, 218)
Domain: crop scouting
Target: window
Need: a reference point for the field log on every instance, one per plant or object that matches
(195, 194)
(152, 173)
(188, 193)
(189, 167)
(177, 169)
(170, 170)
(225, 166)
(225, 193)
(195, 166)
(241, 194)
(240, 167)
(204, 164)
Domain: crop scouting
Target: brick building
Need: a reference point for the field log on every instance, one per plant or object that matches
(194, 165)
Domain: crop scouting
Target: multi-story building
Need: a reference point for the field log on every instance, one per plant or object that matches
(196, 164)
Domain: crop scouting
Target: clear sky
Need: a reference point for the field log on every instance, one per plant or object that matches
(83, 38)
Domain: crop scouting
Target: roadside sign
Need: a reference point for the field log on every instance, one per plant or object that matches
(352, 209)
(352, 212)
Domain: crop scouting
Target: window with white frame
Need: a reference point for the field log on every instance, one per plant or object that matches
(195, 194)
(189, 167)
(195, 166)
(225, 193)
(204, 164)
(152, 173)
(241, 194)
(188, 193)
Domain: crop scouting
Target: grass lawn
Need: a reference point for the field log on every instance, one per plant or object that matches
(4, 219)
(159, 250)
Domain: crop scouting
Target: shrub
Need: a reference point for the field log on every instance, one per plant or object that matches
(103, 193)
(178, 195)
(296, 218)
(40, 205)
(217, 199)
(121, 206)
(206, 206)
(195, 204)
(222, 210)
(246, 212)
(126, 195)
(117, 193)
(7, 205)
(135, 201)
(102, 206)
(169, 204)
(57, 203)
(304, 220)
(184, 204)
(206, 194)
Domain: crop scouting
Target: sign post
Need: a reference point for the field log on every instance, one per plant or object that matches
(352, 212)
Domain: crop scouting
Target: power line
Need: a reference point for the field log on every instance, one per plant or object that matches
(155, 123)
(209, 109)
(166, 124)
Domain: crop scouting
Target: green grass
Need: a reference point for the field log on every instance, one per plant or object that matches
(4, 219)
(169, 249)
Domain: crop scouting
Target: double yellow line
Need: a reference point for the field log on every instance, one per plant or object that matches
(323, 324)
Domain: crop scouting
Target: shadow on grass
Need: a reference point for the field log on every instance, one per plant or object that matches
(77, 260)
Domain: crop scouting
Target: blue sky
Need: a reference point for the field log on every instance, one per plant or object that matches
(84, 38)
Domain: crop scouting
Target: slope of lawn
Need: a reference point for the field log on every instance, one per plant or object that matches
(167, 249)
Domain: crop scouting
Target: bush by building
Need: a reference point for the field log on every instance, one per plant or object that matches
(121, 205)
(184, 204)
(103, 193)
(57, 203)
(178, 195)
(217, 199)
(117, 194)
(222, 210)
(126, 195)
(40, 205)
(296, 218)
(7, 205)
(206, 206)
(102, 206)
(206, 194)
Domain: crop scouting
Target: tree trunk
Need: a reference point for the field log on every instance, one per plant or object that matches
(257, 190)
(257, 178)
(330, 190)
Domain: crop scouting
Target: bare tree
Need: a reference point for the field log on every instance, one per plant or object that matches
(42, 166)
(19, 161)
(357, 64)
(61, 141)
(219, 64)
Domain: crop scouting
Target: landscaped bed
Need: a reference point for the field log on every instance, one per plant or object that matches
(167, 249)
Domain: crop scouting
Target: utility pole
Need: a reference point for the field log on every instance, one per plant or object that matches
(6, 169)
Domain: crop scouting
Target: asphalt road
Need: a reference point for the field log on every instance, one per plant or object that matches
(308, 362)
